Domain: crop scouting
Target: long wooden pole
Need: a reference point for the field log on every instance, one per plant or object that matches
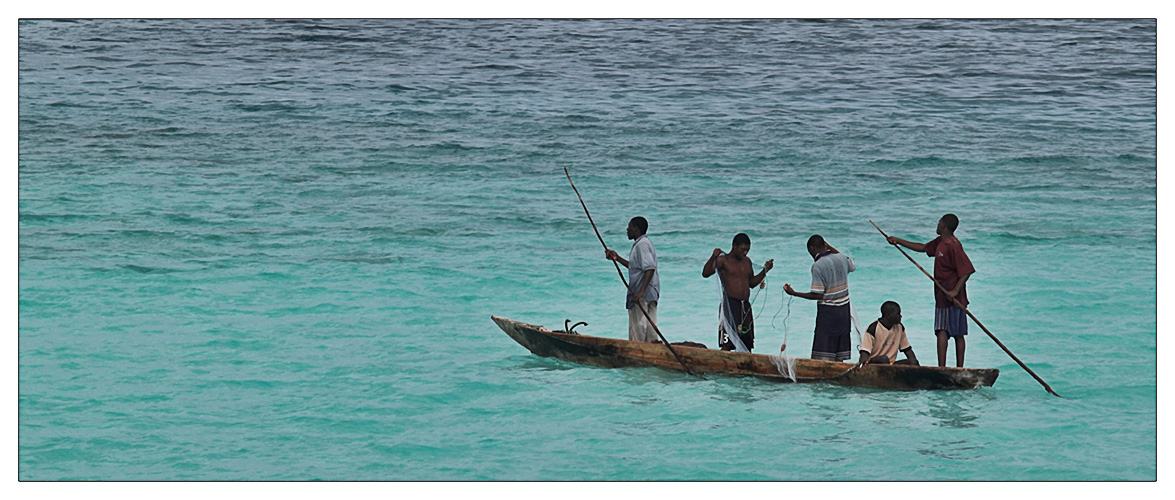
(973, 318)
(636, 300)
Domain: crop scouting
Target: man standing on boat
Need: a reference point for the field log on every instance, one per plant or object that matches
(830, 290)
(737, 277)
(644, 285)
(952, 267)
(885, 337)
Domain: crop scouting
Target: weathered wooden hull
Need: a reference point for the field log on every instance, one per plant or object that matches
(615, 353)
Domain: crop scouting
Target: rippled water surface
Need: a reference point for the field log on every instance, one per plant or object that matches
(269, 250)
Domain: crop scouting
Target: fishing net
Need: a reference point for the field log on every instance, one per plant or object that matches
(856, 324)
(726, 318)
(785, 364)
(785, 329)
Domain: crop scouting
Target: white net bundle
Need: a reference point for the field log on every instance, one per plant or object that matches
(726, 317)
(785, 364)
(856, 324)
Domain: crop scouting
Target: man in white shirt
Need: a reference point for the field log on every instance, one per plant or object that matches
(885, 337)
(644, 285)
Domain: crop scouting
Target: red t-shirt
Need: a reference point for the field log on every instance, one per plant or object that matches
(950, 263)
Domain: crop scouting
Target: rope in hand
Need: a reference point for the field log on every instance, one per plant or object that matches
(785, 331)
(756, 297)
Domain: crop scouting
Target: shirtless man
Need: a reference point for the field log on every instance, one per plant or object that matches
(734, 270)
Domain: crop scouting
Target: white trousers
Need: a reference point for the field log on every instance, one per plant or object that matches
(639, 328)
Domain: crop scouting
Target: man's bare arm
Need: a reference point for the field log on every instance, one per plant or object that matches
(917, 247)
(612, 255)
(803, 295)
(758, 278)
(712, 264)
(648, 276)
(954, 292)
(909, 352)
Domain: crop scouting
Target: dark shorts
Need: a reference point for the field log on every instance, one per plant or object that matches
(951, 319)
(832, 342)
(745, 320)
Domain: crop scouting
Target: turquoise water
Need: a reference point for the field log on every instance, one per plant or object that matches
(269, 250)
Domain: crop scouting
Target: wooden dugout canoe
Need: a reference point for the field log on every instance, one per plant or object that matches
(615, 353)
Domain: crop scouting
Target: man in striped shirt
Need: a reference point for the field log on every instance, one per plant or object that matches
(830, 290)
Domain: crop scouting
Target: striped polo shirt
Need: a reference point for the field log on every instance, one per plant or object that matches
(830, 276)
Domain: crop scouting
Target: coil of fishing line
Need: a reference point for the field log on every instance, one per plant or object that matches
(788, 315)
(758, 289)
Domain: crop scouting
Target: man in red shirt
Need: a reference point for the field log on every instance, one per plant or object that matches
(952, 267)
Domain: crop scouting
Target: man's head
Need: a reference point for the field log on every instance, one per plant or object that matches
(636, 227)
(815, 244)
(740, 245)
(891, 313)
(948, 224)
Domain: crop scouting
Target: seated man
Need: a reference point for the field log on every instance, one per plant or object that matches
(885, 337)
